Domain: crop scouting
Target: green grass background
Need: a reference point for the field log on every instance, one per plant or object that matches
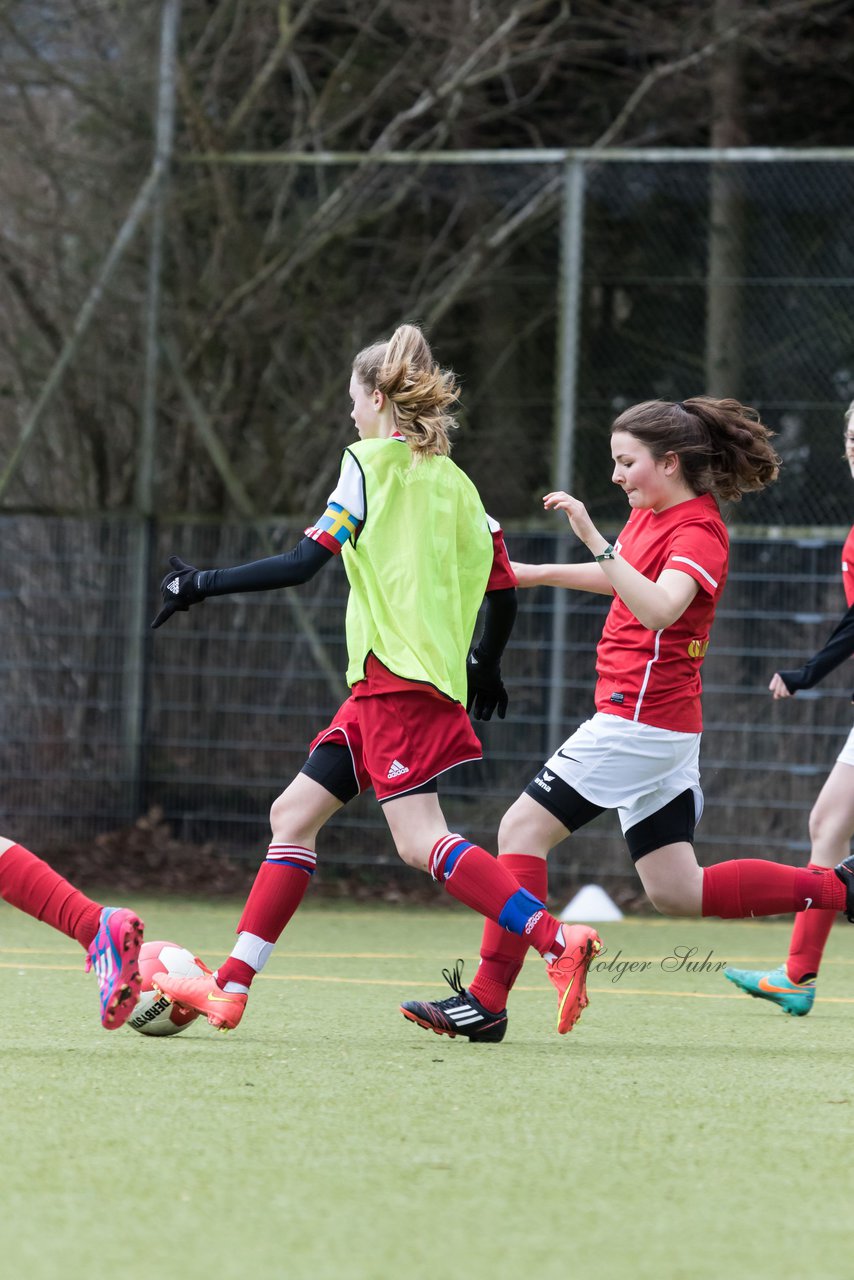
(681, 1130)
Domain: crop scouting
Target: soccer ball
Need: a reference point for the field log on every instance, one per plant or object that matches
(155, 1014)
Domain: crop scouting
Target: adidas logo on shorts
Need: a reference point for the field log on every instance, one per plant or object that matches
(397, 770)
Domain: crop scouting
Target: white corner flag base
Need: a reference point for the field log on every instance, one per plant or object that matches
(591, 903)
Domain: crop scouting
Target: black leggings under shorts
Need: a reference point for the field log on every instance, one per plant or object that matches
(331, 764)
(672, 824)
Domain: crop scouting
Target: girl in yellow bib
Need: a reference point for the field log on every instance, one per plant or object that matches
(420, 554)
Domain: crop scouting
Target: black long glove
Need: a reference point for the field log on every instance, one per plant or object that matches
(838, 647)
(179, 590)
(486, 692)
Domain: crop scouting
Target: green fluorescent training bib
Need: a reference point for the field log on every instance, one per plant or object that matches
(419, 568)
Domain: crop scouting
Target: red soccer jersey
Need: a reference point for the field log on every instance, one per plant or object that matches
(848, 567)
(654, 676)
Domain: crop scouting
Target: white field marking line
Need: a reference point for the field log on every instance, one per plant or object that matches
(296, 955)
(765, 960)
(610, 990)
(769, 960)
(26, 965)
(599, 991)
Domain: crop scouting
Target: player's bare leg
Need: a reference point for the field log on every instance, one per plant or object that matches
(473, 876)
(296, 818)
(673, 879)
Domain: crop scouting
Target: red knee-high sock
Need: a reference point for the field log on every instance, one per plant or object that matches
(809, 938)
(277, 891)
(476, 878)
(753, 887)
(502, 954)
(31, 885)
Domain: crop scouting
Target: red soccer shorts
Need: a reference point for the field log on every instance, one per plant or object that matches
(400, 740)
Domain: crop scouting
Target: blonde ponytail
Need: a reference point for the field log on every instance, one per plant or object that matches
(419, 392)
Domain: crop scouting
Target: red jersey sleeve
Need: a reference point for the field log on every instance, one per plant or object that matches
(701, 550)
(501, 576)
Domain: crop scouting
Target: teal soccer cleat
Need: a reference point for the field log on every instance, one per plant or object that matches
(775, 985)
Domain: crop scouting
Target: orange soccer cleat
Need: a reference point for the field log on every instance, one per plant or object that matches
(223, 1009)
(568, 974)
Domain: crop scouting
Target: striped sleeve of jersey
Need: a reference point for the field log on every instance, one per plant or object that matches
(345, 509)
(700, 551)
(501, 575)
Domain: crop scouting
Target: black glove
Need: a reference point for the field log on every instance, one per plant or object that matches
(486, 692)
(178, 590)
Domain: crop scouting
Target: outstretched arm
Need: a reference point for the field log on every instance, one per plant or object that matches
(839, 646)
(574, 577)
(656, 605)
(286, 570)
(186, 585)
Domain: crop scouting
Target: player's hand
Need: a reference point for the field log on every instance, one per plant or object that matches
(178, 590)
(778, 686)
(575, 512)
(486, 692)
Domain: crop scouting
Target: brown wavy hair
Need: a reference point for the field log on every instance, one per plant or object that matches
(722, 446)
(418, 390)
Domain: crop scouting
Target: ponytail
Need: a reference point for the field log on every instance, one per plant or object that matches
(722, 446)
(419, 392)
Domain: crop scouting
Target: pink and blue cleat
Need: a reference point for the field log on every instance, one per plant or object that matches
(114, 955)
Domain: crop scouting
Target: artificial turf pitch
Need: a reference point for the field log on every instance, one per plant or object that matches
(681, 1130)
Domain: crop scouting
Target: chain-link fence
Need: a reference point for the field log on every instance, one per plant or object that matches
(731, 279)
(234, 691)
(561, 286)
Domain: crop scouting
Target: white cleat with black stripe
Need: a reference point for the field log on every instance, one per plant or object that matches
(459, 1015)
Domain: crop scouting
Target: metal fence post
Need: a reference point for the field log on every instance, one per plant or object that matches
(569, 330)
(142, 532)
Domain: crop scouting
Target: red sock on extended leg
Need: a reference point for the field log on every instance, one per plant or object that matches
(476, 878)
(809, 938)
(754, 887)
(278, 890)
(31, 885)
(502, 953)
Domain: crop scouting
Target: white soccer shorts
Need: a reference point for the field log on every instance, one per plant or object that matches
(634, 768)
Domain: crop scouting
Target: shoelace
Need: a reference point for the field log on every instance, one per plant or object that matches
(454, 979)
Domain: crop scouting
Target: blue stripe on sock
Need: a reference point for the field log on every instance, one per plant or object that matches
(518, 910)
(457, 852)
(283, 862)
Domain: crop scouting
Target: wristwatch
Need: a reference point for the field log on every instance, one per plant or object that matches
(608, 554)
